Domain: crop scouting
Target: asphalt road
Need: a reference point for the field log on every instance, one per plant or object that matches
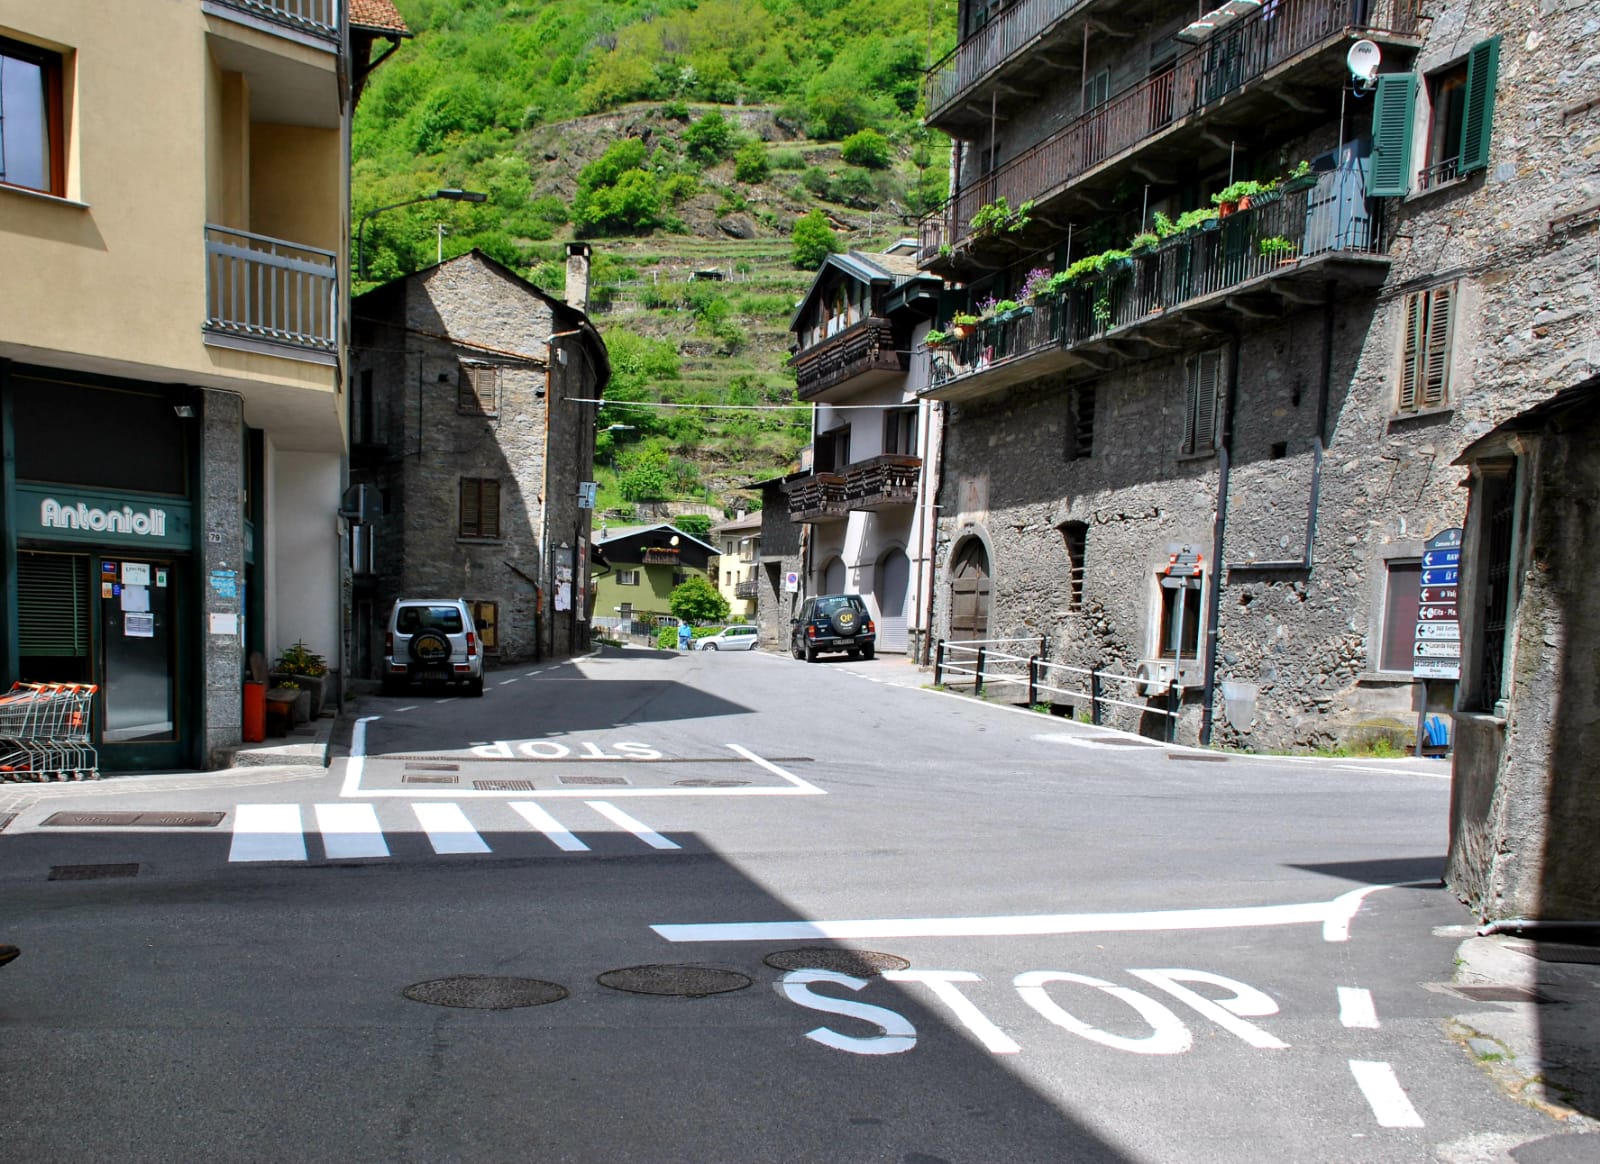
(1093, 947)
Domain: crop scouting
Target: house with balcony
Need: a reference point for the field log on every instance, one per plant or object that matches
(174, 210)
(1237, 290)
(734, 569)
(642, 566)
(865, 502)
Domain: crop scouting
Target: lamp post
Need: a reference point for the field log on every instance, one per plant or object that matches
(447, 195)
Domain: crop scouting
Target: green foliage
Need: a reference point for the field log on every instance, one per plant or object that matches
(646, 480)
(997, 217)
(709, 139)
(616, 193)
(813, 240)
(696, 600)
(868, 148)
(696, 525)
(667, 638)
(750, 162)
(680, 188)
(301, 660)
(787, 160)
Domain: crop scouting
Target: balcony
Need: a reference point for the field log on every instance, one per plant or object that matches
(818, 498)
(998, 48)
(659, 556)
(862, 355)
(745, 589)
(317, 18)
(1319, 241)
(267, 294)
(1274, 68)
(881, 482)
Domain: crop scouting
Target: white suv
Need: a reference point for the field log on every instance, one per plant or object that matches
(432, 640)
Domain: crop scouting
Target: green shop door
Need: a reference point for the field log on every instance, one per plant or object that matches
(141, 671)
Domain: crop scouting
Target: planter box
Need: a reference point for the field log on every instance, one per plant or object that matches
(315, 687)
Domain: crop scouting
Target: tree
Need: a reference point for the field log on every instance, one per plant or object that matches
(710, 139)
(696, 525)
(813, 240)
(695, 600)
(868, 149)
(750, 162)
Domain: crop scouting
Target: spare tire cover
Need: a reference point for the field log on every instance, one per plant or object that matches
(430, 646)
(845, 621)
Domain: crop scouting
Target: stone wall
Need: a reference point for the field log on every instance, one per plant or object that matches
(222, 551)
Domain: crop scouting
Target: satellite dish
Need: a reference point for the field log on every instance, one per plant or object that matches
(1363, 60)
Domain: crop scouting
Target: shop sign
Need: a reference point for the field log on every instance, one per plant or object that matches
(107, 518)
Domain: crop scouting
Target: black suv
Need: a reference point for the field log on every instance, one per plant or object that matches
(833, 622)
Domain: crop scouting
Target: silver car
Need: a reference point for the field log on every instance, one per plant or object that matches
(729, 638)
(432, 640)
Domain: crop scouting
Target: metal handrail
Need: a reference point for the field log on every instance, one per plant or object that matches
(264, 288)
(1000, 40)
(318, 16)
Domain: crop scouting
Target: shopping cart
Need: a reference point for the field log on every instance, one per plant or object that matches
(44, 732)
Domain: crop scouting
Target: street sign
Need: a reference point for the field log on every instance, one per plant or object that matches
(587, 491)
(1436, 668)
(1437, 642)
(1431, 613)
(1439, 630)
(1439, 594)
(1441, 576)
(1432, 650)
(1441, 558)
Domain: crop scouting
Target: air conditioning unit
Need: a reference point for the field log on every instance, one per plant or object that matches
(1154, 676)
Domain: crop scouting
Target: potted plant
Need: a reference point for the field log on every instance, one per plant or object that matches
(1008, 309)
(1200, 219)
(1280, 248)
(961, 324)
(301, 667)
(1235, 196)
(937, 339)
(1143, 243)
(1034, 284)
(997, 217)
(1299, 178)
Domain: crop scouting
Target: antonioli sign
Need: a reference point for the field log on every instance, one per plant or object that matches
(102, 518)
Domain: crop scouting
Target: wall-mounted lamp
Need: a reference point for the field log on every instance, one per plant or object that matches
(450, 194)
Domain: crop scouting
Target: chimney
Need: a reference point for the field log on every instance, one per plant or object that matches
(578, 276)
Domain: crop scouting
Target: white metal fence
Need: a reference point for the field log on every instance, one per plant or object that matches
(268, 289)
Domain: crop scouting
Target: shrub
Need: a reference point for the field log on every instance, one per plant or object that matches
(788, 160)
(750, 162)
(696, 600)
(710, 139)
(813, 240)
(680, 188)
(868, 148)
(818, 181)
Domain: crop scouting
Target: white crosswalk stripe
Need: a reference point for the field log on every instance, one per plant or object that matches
(353, 831)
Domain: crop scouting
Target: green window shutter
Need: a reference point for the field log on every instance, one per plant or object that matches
(1477, 120)
(1392, 112)
(52, 605)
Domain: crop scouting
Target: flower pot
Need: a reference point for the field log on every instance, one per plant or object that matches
(1296, 184)
(961, 331)
(1226, 208)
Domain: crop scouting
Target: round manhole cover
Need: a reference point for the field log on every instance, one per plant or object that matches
(701, 783)
(481, 992)
(684, 981)
(856, 963)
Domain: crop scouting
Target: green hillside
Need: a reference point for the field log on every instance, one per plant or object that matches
(685, 141)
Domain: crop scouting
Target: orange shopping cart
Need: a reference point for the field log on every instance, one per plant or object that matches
(44, 732)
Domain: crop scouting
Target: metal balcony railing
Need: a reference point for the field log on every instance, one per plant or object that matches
(1002, 38)
(264, 288)
(1270, 240)
(1198, 78)
(864, 347)
(320, 17)
(745, 589)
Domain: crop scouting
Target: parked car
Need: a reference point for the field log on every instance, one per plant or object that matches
(833, 622)
(729, 638)
(432, 640)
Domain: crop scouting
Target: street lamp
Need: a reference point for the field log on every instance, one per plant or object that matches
(447, 195)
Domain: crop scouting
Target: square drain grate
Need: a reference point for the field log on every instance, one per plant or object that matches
(593, 779)
(149, 820)
(413, 767)
(503, 785)
(5, 819)
(419, 778)
(91, 872)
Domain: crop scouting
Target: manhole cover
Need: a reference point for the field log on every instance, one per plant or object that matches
(856, 963)
(1500, 994)
(91, 872)
(702, 783)
(480, 992)
(683, 981)
(503, 785)
(593, 779)
(154, 820)
(414, 778)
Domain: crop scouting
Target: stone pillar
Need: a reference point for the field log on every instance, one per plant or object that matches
(578, 276)
(221, 606)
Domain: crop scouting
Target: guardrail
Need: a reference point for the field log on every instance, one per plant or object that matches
(268, 289)
(988, 663)
(318, 16)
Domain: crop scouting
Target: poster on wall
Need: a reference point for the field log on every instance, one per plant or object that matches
(139, 626)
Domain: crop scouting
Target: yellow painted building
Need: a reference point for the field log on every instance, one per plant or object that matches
(174, 217)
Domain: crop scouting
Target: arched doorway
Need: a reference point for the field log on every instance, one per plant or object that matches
(969, 592)
(833, 577)
(893, 576)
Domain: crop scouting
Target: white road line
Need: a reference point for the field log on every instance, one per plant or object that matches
(1334, 915)
(350, 830)
(413, 707)
(503, 682)
(1384, 1094)
(448, 829)
(549, 826)
(452, 699)
(267, 832)
(1355, 1007)
(644, 832)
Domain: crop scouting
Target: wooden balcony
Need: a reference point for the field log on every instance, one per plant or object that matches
(818, 498)
(858, 357)
(1279, 72)
(1206, 280)
(882, 482)
(659, 556)
(747, 589)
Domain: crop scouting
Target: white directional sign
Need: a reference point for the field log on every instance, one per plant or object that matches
(1438, 630)
(1437, 652)
(1427, 649)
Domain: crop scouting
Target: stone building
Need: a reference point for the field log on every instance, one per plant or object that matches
(472, 417)
(1208, 438)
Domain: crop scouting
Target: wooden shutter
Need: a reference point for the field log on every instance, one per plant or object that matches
(478, 391)
(1200, 412)
(1477, 118)
(1436, 347)
(1393, 108)
(480, 507)
(1411, 353)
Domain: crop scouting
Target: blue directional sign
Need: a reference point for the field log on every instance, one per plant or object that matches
(1441, 558)
(1442, 576)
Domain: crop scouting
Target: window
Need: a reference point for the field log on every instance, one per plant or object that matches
(833, 450)
(900, 431)
(478, 391)
(1075, 536)
(1459, 121)
(1400, 603)
(1080, 423)
(1204, 385)
(679, 577)
(1497, 499)
(486, 617)
(480, 507)
(627, 577)
(32, 143)
(1425, 352)
(1180, 618)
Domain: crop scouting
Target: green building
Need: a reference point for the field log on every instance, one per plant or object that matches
(637, 567)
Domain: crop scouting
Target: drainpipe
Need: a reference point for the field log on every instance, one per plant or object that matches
(1218, 530)
(1519, 925)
